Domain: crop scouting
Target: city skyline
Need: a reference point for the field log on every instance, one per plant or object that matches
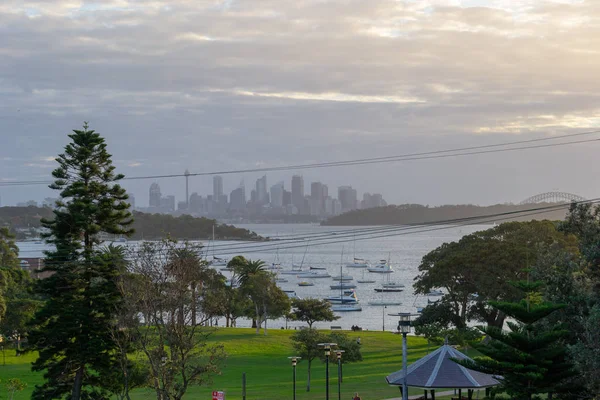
(263, 84)
(264, 199)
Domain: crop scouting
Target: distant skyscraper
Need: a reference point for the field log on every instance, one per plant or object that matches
(287, 198)
(261, 190)
(187, 189)
(217, 186)
(277, 195)
(154, 195)
(298, 193)
(237, 199)
(347, 197)
(167, 203)
(316, 198)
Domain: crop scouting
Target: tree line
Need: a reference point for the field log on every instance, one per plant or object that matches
(532, 289)
(104, 306)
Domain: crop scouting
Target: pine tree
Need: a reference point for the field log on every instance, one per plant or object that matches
(72, 332)
(531, 358)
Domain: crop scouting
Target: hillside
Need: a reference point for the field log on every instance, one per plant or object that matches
(412, 214)
(25, 220)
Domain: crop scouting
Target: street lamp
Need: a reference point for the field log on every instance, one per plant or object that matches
(327, 347)
(294, 362)
(404, 325)
(339, 360)
(383, 318)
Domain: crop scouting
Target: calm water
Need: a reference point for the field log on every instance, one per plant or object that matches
(404, 251)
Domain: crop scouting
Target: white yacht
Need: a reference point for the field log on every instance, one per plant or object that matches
(342, 278)
(346, 307)
(381, 267)
(358, 263)
(313, 274)
(344, 298)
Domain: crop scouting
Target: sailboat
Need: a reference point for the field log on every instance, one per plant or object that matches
(296, 269)
(365, 280)
(346, 301)
(216, 261)
(390, 286)
(357, 262)
(382, 267)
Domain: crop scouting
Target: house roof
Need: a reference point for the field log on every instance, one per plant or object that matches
(437, 370)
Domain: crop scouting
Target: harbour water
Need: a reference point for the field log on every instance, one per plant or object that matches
(304, 244)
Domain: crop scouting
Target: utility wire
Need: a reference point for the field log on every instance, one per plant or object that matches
(229, 249)
(457, 152)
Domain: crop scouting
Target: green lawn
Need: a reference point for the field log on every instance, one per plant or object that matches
(268, 371)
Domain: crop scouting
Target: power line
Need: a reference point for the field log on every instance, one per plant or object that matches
(457, 152)
(389, 231)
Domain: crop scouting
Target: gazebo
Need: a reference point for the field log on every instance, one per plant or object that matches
(437, 371)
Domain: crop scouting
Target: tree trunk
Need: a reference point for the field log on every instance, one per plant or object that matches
(266, 317)
(77, 384)
(308, 377)
(193, 304)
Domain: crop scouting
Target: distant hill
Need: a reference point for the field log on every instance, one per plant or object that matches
(412, 214)
(25, 220)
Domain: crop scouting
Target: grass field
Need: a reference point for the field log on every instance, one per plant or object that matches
(269, 372)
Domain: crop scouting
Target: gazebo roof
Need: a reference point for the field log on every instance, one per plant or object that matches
(437, 370)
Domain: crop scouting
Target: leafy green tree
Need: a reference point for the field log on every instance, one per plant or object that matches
(176, 349)
(305, 342)
(479, 268)
(72, 331)
(312, 310)
(531, 357)
(21, 305)
(586, 351)
(268, 300)
(246, 270)
(350, 347)
(9, 252)
(14, 385)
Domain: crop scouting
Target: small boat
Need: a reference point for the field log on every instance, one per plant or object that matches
(274, 267)
(306, 283)
(420, 309)
(291, 294)
(296, 269)
(344, 298)
(218, 262)
(346, 307)
(364, 279)
(435, 293)
(382, 268)
(392, 285)
(388, 290)
(342, 278)
(317, 268)
(313, 275)
(385, 303)
(358, 263)
(282, 280)
(342, 285)
(118, 240)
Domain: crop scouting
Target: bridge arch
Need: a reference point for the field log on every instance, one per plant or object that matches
(552, 197)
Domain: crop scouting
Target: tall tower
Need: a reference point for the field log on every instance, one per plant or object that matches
(155, 195)
(187, 189)
(217, 187)
(298, 193)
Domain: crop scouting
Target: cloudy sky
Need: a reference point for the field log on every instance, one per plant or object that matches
(217, 85)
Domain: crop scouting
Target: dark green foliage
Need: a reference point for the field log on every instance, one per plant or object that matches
(146, 226)
(9, 252)
(350, 347)
(72, 331)
(531, 357)
(312, 310)
(185, 227)
(407, 214)
(480, 267)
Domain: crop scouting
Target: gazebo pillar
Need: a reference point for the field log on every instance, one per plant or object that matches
(432, 394)
(460, 394)
(470, 395)
(425, 393)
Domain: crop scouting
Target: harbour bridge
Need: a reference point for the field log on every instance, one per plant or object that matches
(552, 197)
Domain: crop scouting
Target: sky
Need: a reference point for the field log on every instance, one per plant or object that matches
(209, 85)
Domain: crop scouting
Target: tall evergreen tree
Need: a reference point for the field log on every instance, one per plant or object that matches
(531, 358)
(72, 332)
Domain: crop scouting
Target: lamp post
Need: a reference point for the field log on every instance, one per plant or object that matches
(294, 362)
(383, 318)
(327, 347)
(404, 325)
(339, 353)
